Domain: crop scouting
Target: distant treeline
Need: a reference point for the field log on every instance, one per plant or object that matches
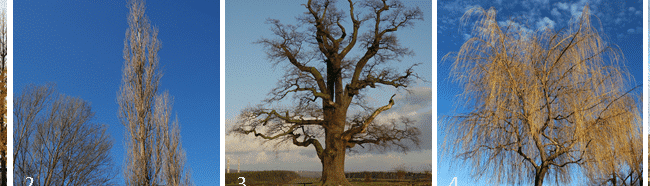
(388, 175)
(262, 176)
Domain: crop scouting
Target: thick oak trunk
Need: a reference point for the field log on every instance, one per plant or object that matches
(334, 166)
(333, 158)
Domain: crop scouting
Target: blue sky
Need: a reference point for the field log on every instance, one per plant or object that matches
(250, 76)
(78, 45)
(621, 22)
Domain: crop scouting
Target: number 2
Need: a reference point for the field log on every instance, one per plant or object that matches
(31, 180)
(242, 181)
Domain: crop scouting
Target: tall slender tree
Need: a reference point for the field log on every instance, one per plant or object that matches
(154, 152)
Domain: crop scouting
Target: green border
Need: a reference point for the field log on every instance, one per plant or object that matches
(10, 113)
(645, 93)
(223, 91)
(434, 105)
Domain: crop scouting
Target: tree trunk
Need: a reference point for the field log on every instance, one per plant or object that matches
(333, 167)
(3, 166)
(333, 158)
(539, 175)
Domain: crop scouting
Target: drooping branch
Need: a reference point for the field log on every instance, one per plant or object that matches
(309, 141)
(556, 99)
(272, 124)
(287, 127)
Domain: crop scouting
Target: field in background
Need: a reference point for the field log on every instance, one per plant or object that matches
(287, 178)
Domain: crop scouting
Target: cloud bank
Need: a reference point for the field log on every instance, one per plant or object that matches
(253, 154)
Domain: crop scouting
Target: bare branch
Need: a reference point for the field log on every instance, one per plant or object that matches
(58, 143)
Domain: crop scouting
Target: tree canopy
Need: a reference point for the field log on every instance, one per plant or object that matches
(539, 105)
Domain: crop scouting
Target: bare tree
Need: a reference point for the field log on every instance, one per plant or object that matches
(154, 152)
(173, 152)
(26, 108)
(540, 105)
(3, 96)
(55, 141)
(320, 65)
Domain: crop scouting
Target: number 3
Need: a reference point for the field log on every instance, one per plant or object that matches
(242, 181)
(31, 180)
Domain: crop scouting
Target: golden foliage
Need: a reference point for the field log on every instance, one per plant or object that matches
(540, 103)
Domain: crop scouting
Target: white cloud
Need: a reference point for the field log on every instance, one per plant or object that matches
(542, 1)
(631, 9)
(256, 155)
(618, 21)
(576, 10)
(620, 35)
(562, 6)
(515, 26)
(535, 3)
(545, 23)
(630, 31)
(554, 12)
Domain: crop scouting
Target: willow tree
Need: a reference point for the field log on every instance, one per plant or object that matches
(326, 81)
(624, 166)
(539, 105)
(154, 152)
